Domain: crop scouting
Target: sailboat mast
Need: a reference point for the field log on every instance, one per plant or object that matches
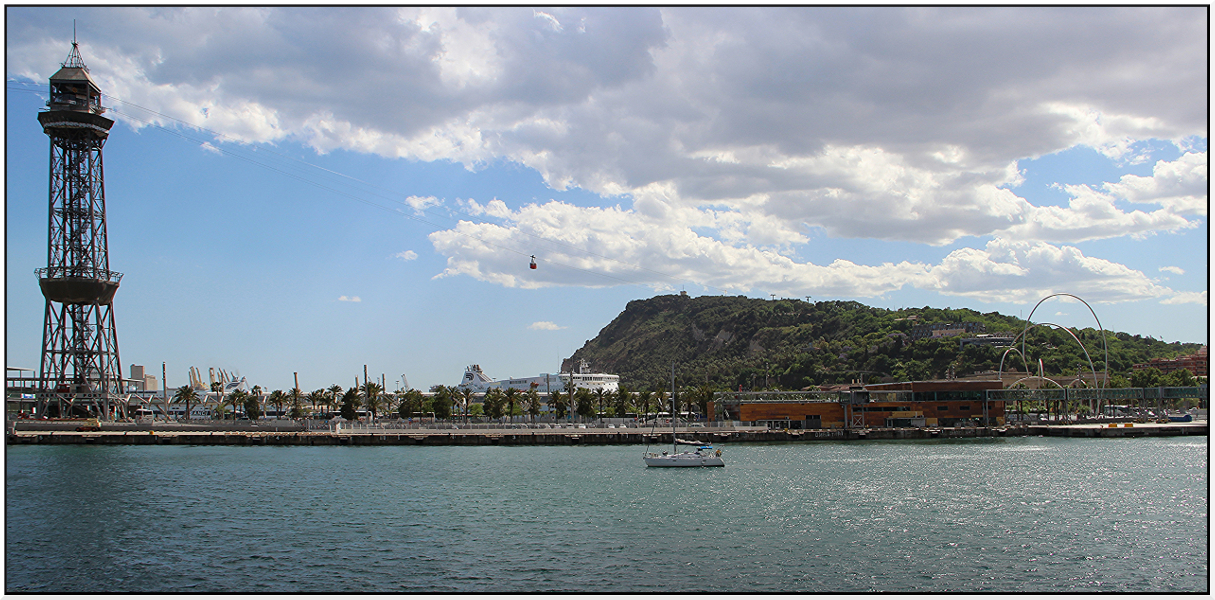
(674, 443)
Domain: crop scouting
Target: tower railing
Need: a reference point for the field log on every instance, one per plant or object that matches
(78, 272)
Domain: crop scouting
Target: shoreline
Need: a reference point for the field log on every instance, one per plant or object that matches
(196, 435)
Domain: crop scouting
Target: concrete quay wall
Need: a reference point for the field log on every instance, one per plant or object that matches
(582, 437)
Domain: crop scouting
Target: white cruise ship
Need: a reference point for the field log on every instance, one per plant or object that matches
(479, 382)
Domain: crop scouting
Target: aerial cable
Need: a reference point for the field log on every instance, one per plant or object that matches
(470, 217)
(304, 179)
(373, 204)
(374, 186)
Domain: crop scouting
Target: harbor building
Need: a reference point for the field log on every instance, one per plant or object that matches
(947, 403)
(1197, 363)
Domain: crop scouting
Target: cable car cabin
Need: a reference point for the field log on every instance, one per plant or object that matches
(533, 265)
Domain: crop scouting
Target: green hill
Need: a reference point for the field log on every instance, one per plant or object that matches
(738, 341)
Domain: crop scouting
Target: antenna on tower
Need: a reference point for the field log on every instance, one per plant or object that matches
(74, 60)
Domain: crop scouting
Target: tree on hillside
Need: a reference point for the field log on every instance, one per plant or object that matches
(1181, 378)
(1149, 377)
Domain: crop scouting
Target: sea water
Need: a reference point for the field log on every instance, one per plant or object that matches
(989, 515)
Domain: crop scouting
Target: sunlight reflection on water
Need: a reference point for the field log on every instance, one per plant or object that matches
(1006, 515)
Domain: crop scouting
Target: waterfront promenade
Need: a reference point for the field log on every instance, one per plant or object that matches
(291, 433)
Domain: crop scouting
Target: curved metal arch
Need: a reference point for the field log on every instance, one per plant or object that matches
(1104, 344)
(1060, 386)
(1025, 359)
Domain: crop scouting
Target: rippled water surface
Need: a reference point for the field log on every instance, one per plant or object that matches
(1004, 515)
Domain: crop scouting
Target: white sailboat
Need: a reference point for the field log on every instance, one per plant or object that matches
(703, 456)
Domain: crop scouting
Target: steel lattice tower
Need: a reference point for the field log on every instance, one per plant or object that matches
(80, 367)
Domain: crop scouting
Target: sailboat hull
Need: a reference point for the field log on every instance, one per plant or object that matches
(684, 459)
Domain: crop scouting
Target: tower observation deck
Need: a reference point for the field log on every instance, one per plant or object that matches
(80, 371)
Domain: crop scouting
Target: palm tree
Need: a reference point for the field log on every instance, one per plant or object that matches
(701, 396)
(371, 396)
(411, 402)
(492, 401)
(600, 396)
(557, 401)
(295, 397)
(187, 395)
(317, 397)
(334, 394)
(623, 395)
(218, 388)
(531, 400)
(510, 396)
(643, 402)
(659, 399)
(256, 393)
(465, 396)
(585, 402)
(350, 399)
(221, 405)
(277, 398)
(442, 401)
(237, 399)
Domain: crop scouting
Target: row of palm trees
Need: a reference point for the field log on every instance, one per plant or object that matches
(444, 402)
(497, 403)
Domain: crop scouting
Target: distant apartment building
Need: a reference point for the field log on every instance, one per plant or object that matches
(937, 330)
(142, 382)
(1197, 363)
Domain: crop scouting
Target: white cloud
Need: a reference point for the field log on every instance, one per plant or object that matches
(406, 255)
(889, 123)
(727, 133)
(545, 326)
(420, 204)
(1092, 215)
(1187, 298)
(349, 299)
(1174, 270)
(1179, 186)
(599, 247)
(1012, 271)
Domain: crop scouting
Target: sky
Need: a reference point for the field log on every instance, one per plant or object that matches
(308, 192)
